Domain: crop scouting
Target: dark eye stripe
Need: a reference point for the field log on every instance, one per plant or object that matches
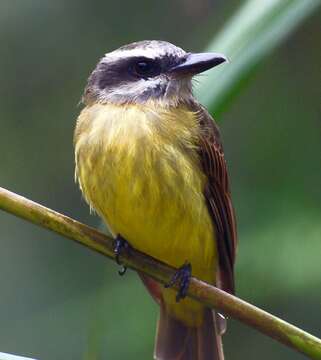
(112, 73)
(145, 68)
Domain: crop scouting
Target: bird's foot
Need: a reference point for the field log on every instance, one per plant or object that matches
(181, 277)
(120, 245)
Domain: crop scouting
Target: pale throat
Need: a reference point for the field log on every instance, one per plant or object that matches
(168, 92)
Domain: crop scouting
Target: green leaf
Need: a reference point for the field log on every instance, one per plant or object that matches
(251, 34)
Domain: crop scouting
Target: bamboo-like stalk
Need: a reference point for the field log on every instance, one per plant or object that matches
(213, 297)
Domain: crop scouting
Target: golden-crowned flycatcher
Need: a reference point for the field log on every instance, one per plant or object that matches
(149, 160)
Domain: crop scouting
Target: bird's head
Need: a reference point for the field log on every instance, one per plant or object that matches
(147, 70)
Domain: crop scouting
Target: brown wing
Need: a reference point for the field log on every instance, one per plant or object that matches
(218, 197)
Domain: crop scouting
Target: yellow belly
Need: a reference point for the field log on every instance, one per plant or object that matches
(138, 168)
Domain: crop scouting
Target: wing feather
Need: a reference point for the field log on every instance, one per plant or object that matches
(218, 197)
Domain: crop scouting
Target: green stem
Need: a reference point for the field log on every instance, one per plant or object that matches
(213, 297)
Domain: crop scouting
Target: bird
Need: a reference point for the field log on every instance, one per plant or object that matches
(149, 161)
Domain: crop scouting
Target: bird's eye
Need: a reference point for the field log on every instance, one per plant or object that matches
(146, 68)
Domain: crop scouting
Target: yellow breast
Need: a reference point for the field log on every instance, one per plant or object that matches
(138, 167)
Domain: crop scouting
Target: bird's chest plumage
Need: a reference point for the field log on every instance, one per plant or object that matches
(139, 169)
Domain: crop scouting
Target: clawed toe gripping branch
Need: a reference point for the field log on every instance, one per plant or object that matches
(209, 295)
(120, 246)
(182, 278)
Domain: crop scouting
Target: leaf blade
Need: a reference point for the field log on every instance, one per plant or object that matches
(252, 33)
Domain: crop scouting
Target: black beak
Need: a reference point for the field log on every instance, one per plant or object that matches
(193, 64)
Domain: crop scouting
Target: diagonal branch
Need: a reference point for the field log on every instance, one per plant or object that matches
(209, 295)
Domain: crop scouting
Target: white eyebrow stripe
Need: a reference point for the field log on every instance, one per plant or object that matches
(149, 53)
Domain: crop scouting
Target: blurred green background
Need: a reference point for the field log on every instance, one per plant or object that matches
(61, 301)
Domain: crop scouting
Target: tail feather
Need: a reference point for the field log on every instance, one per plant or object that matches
(177, 341)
